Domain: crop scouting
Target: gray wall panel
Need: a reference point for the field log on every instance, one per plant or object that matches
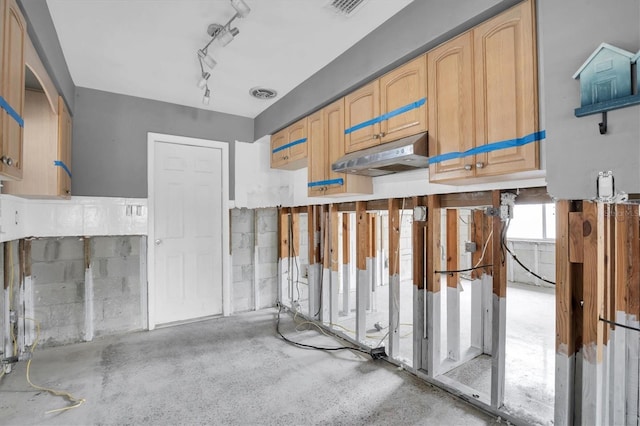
(569, 31)
(110, 139)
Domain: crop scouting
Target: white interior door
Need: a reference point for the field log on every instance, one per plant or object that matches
(188, 202)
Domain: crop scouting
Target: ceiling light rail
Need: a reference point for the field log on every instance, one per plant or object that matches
(224, 34)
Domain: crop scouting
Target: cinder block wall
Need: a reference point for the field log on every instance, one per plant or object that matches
(70, 309)
(254, 251)
(242, 252)
(117, 289)
(57, 270)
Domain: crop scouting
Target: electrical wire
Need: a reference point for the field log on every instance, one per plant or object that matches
(462, 270)
(618, 324)
(75, 401)
(320, 348)
(484, 249)
(518, 260)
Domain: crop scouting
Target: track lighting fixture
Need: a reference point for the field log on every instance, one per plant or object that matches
(225, 35)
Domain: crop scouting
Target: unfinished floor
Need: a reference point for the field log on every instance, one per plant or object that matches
(231, 370)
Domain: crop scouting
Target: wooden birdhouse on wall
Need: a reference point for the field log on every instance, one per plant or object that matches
(605, 75)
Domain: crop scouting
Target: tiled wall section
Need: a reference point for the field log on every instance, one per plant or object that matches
(254, 252)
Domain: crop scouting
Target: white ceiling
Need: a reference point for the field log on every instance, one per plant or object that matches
(147, 48)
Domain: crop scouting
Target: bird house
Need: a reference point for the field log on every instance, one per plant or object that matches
(605, 75)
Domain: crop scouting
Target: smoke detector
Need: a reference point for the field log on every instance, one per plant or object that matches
(345, 7)
(262, 93)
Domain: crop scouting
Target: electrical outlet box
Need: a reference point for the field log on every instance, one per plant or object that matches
(470, 247)
(605, 186)
(420, 213)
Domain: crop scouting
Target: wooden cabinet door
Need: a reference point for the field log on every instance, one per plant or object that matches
(361, 106)
(64, 149)
(318, 153)
(334, 125)
(450, 86)
(298, 133)
(13, 88)
(506, 90)
(279, 156)
(404, 88)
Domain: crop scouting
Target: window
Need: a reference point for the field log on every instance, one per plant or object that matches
(533, 221)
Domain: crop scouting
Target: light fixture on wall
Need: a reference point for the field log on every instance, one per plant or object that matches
(225, 35)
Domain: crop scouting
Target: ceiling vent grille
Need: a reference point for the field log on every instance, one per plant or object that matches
(263, 93)
(346, 7)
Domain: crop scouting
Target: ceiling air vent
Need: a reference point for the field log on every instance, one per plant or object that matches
(262, 93)
(345, 7)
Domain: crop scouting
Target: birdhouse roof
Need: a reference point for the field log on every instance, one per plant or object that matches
(604, 46)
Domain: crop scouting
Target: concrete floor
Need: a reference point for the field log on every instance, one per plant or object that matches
(224, 371)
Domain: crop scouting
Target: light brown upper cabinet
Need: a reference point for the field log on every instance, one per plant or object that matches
(389, 108)
(12, 89)
(499, 100)
(326, 145)
(451, 115)
(46, 170)
(289, 147)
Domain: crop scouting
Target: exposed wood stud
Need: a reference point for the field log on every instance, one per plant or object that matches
(453, 295)
(452, 247)
(394, 276)
(394, 236)
(27, 254)
(295, 232)
(362, 231)
(433, 350)
(499, 310)
(346, 273)
(576, 237)
(418, 247)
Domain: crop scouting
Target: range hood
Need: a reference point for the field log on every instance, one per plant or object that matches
(405, 154)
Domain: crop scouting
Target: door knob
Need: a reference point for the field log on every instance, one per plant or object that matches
(158, 242)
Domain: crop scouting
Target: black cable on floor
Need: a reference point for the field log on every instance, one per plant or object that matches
(320, 348)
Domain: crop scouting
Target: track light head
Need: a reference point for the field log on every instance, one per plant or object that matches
(207, 59)
(203, 81)
(242, 10)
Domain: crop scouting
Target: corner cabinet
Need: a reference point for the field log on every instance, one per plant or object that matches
(326, 145)
(289, 147)
(389, 108)
(12, 89)
(484, 106)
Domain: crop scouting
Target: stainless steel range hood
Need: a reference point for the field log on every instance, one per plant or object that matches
(405, 154)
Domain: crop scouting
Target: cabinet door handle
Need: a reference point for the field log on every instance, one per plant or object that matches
(467, 167)
(479, 164)
(375, 136)
(7, 160)
(286, 157)
(382, 135)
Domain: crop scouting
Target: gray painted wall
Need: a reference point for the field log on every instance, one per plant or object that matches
(569, 31)
(45, 40)
(110, 139)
